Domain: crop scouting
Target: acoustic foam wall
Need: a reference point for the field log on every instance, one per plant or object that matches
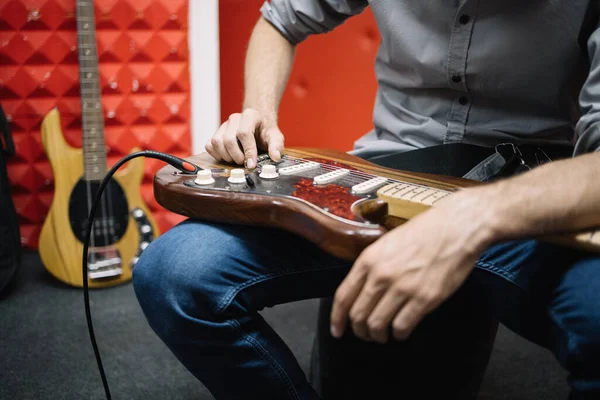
(143, 58)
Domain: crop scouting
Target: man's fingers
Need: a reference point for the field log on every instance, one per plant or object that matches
(345, 296)
(217, 145)
(230, 139)
(380, 320)
(211, 150)
(245, 134)
(274, 140)
(364, 304)
(408, 318)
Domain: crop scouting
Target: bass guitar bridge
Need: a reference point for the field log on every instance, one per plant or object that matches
(104, 263)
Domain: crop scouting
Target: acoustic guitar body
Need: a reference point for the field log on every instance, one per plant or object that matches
(340, 202)
(126, 231)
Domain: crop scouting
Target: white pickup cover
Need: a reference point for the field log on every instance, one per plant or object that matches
(330, 176)
(296, 169)
(369, 185)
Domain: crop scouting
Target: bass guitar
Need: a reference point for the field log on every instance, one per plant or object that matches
(340, 202)
(124, 225)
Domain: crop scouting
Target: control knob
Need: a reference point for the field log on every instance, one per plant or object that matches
(204, 177)
(269, 172)
(237, 176)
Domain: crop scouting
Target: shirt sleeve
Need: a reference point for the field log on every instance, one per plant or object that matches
(587, 129)
(298, 19)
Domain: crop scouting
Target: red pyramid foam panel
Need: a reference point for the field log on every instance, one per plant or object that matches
(144, 72)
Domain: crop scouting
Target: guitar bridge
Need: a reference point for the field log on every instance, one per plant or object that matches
(104, 263)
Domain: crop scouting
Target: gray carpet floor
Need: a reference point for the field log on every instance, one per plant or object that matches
(45, 351)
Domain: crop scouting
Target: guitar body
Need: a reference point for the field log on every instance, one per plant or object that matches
(328, 215)
(60, 245)
(340, 202)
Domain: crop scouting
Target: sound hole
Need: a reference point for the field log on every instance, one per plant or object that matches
(112, 217)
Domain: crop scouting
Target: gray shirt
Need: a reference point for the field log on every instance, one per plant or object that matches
(473, 71)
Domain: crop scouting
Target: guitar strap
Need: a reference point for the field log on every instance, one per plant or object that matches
(474, 162)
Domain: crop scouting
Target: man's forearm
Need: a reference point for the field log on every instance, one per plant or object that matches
(268, 65)
(557, 197)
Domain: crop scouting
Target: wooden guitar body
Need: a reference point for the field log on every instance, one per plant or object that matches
(317, 195)
(60, 248)
(328, 215)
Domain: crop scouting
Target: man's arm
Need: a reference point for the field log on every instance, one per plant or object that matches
(412, 269)
(268, 64)
(557, 197)
(269, 60)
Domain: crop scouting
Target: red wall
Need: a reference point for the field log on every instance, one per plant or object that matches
(143, 53)
(331, 92)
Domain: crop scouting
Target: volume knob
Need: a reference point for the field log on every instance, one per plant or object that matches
(204, 177)
(237, 176)
(269, 172)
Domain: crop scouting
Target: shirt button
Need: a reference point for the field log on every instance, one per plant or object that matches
(463, 100)
(456, 79)
(464, 19)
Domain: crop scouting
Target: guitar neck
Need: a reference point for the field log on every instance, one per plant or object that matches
(405, 200)
(94, 150)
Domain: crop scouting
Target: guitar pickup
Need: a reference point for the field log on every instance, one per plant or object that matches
(331, 176)
(298, 168)
(369, 185)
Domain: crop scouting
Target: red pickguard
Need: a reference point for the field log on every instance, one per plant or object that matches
(335, 198)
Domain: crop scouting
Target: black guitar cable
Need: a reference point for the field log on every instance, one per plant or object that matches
(183, 166)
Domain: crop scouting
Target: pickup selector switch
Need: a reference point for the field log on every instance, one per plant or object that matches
(269, 172)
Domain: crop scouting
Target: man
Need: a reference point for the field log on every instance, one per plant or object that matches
(471, 71)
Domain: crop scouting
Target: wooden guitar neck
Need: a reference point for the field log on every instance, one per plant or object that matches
(406, 200)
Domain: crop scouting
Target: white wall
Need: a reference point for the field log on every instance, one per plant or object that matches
(204, 70)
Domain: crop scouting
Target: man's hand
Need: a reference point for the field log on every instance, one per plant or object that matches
(236, 139)
(412, 269)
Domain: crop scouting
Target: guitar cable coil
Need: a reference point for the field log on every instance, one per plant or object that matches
(183, 166)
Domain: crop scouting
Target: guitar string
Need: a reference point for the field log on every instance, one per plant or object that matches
(352, 172)
(332, 168)
(106, 215)
(107, 200)
(92, 255)
(89, 204)
(359, 174)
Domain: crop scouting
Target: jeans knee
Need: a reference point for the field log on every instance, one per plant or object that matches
(182, 276)
(583, 344)
(577, 315)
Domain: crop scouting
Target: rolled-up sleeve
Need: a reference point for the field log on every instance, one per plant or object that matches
(588, 128)
(298, 19)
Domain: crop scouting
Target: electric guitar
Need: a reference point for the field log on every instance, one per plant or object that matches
(123, 226)
(340, 202)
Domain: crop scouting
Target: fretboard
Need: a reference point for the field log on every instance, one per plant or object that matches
(94, 151)
(405, 200)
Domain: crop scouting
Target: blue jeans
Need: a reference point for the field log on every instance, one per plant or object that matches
(201, 286)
